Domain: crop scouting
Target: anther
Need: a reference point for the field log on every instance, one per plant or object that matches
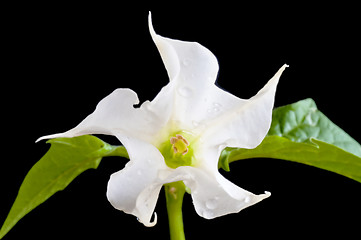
(180, 144)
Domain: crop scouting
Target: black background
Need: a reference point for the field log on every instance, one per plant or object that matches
(58, 61)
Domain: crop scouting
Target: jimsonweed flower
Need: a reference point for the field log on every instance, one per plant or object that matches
(179, 135)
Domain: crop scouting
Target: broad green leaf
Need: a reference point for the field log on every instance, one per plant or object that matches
(301, 121)
(301, 133)
(319, 154)
(65, 160)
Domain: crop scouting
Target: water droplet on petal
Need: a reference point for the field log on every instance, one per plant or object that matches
(185, 91)
(185, 62)
(213, 110)
(207, 214)
(247, 199)
(212, 203)
(217, 105)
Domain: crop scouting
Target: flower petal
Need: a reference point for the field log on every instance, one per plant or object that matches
(246, 125)
(198, 103)
(116, 114)
(216, 196)
(192, 70)
(213, 195)
(135, 188)
(184, 60)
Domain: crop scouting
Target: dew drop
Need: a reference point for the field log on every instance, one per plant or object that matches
(213, 110)
(247, 199)
(185, 63)
(212, 203)
(207, 214)
(185, 91)
(217, 105)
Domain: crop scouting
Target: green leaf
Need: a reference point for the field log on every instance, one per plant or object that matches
(65, 160)
(301, 133)
(302, 121)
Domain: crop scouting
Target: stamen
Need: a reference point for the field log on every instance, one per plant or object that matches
(180, 144)
(178, 151)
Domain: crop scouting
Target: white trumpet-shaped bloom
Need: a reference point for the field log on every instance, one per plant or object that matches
(180, 134)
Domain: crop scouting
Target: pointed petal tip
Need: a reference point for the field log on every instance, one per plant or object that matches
(43, 138)
(259, 198)
(284, 66)
(267, 194)
(56, 135)
(263, 196)
(150, 25)
(152, 224)
(149, 17)
(149, 223)
(279, 72)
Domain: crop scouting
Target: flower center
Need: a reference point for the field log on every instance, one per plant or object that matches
(177, 150)
(180, 144)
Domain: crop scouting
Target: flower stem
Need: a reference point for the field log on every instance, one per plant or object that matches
(174, 193)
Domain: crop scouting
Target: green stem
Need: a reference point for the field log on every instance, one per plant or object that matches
(174, 193)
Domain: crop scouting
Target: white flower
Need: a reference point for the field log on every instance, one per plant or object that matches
(180, 134)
